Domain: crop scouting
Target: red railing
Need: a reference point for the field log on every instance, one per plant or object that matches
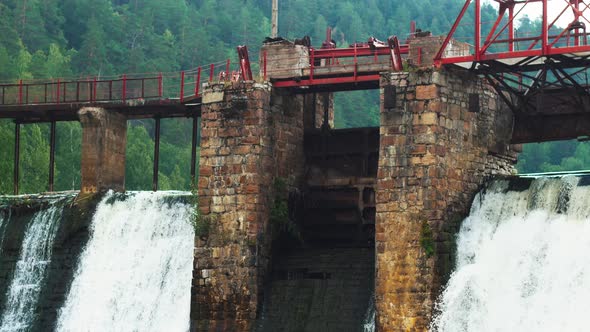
(181, 86)
(361, 62)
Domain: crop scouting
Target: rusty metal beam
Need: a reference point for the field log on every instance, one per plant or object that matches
(51, 155)
(542, 128)
(16, 155)
(156, 155)
(69, 112)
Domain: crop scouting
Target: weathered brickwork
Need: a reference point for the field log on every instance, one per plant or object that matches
(315, 112)
(104, 139)
(248, 139)
(434, 154)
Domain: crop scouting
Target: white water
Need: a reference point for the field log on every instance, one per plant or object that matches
(369, 321)
(4, 217)
(27, 280)
(522, 265)
(135, 273)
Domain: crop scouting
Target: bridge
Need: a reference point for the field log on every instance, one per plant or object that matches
(452, 112)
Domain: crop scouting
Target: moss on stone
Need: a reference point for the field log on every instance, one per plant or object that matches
(426, 239)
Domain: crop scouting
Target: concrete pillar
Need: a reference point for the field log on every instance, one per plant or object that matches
(245, 145)
(441, 134)
(104, 138)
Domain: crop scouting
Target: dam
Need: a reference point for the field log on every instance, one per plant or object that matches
(292, 220)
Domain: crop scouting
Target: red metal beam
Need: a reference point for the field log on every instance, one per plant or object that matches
(445, 43)
(325, 81)
(517, 54)
(245, 63)
(396, 56)
(541, 45)
(477, 29)
(545, 30)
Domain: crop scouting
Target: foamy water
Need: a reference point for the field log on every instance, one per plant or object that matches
(135, 273)
(522, 262)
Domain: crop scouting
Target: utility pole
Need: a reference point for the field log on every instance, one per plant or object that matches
(275, 19)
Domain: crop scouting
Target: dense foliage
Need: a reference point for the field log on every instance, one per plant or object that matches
(60, 38)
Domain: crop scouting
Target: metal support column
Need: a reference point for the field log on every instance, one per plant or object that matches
(194, 150)
(51, 155)
(275, 19)
(156, 155)
(16, 155)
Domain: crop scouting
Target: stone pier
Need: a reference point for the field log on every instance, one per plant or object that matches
(442, 133)
(249, 139)
(104, 138)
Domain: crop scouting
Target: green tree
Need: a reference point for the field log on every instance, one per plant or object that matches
(58, 63)
(68, 155)
(8, 70)
(23, 62)
(139, 158)
(92, 57)
(34, 158)
(7, 162)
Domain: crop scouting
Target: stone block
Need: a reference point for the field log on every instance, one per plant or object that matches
(104, 140)
(425, 119)
(425, 92)
(210, 97)
(283, 60)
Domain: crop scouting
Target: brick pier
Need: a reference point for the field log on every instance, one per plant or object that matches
(441, 134)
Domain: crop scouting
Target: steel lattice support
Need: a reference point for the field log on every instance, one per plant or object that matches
(501, 42)
(524, 70)
(524, 91)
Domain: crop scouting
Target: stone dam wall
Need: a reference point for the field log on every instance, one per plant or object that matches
(441, 135)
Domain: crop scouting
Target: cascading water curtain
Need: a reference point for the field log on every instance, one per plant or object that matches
(136, 270)
(25, 287)
(522, 262)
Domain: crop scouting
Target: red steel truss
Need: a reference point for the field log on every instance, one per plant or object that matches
(501, 41)
(552, 61)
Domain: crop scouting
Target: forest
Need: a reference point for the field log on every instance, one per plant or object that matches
(48, 39)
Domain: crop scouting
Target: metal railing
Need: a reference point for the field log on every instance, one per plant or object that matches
(178, 86)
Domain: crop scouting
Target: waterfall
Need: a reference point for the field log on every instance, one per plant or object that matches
(135, 272)
(4, 217)
(23, 292)
(522, 261)
(369, 321)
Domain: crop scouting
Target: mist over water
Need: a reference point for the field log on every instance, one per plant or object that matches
(135, 272)
(522, 261)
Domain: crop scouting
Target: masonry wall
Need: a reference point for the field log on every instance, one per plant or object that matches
(104, 140)
(249, 138)
(435, 151)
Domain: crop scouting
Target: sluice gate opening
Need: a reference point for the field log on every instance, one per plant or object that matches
(341, 173)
